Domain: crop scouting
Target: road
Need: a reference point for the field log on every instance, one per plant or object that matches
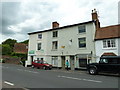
(17, 76)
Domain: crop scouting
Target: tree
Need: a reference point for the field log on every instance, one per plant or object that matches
(25, 42)
(6, 49)
(10, 42)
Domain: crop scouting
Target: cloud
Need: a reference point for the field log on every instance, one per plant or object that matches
(20, 18)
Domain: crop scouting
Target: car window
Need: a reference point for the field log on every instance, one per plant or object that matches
(104, 61)
(45, 62)
(36, 61)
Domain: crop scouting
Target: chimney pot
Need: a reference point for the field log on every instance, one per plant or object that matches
(95, 18)
(55, 24)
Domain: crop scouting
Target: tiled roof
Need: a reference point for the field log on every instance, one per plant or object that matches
(109, 54)
(108, 32)
(20, 48)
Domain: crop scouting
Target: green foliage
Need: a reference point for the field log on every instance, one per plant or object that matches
(10, 42)
(21, 55)
(15, 56)
(6, 49)
(25, 42)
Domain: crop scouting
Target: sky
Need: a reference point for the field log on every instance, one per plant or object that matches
(19, 17)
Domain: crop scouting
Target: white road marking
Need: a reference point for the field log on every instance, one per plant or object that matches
(9, 83)
(80, 79)
(27, 71)
(35, 72)
(20, 69)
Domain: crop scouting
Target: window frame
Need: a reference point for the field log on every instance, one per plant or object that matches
(40, 36)
(85, 44)
(109, 43)
(54, 46)
(54, 60)
(81, 29)
(55, 34)
(39, 48)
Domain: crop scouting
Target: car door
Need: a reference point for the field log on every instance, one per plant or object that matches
(104, 65)
(113, 67)
(39, 64)
(35, 63)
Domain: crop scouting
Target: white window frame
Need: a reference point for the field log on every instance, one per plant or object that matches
(54, 45)
(84, 41)
(109, 43)
(81, 28)
(38, 46)
(55, 34)
(40, 36)
(54, 60)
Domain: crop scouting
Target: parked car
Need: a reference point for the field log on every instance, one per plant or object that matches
(107, 64)
(41, 64)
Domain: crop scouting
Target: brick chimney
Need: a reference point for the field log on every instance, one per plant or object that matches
(95, 18)
(55, 24)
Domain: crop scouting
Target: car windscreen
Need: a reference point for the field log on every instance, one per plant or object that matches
(45, 62)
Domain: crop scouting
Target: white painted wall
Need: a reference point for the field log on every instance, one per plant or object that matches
(64, 35)
(100, 50)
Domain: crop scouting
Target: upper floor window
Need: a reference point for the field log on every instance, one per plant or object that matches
(109, 43)
(39, 46)
(55, 33)
(54, 45)
(81, 29)
(82, 42)
(40, 36)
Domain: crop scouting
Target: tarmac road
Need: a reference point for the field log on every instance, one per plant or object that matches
(17, 76)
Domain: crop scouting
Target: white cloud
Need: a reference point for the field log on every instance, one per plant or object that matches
(38, 14)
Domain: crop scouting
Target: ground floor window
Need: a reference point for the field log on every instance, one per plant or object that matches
(54, 60)
(82, 62)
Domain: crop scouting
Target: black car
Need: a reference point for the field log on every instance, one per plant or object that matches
(107, 64)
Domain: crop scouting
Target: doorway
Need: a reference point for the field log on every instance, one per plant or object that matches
(63, 62)
(31, 59)
(72, 63)
(82, 62)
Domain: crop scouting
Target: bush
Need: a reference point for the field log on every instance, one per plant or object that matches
(15, 56)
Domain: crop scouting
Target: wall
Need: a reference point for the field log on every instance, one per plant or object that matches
(100, 50)
(64, 37)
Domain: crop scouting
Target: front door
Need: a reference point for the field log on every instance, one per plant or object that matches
(63, 62)
(72, 62)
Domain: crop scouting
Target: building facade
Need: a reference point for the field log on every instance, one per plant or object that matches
(74, 43)
(107, 41)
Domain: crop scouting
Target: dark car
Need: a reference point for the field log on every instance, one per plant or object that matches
(41, 64)
(107, 64)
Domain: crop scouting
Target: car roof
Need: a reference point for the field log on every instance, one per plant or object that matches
(110, 57)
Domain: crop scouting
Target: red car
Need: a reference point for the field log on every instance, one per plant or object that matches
(41, 64)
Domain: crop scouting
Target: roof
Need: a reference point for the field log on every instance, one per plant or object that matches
(20, 48)
(109, 54)
(61, 27)
(108, 32)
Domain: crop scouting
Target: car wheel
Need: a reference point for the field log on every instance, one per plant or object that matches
(50, 68)
(92, 71)
(32, 66)
(44, 68)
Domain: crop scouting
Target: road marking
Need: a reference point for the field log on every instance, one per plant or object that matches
(80, 79)
(20, 69)
(9, 83)
(27, 71)
(34, 72)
